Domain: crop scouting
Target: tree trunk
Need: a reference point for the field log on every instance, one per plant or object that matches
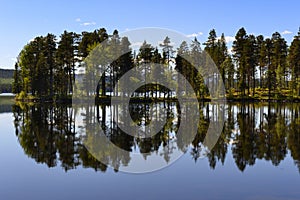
(253, 90)
(103, 85)
(98, 89)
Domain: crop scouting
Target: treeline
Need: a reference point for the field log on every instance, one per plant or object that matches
(257, 67)
(6, 79)
(6, 73)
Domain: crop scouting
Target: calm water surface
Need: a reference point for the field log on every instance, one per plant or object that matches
(256, 157)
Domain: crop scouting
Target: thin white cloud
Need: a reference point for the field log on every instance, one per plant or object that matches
(88, 23)
(228, 39)
(78, 20)
(286, 32)
(136, 44)
(194, 35)
(127, 29)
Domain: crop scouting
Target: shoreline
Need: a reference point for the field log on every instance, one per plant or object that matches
(107, 100)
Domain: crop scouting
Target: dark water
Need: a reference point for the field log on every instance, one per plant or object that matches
(42, 155)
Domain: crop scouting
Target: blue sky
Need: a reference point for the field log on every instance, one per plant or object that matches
(21, 21)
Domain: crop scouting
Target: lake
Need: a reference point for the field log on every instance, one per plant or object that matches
(45, 152)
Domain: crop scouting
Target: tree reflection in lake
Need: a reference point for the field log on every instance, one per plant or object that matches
(51, 134)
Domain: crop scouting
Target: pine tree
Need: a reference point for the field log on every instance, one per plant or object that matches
(114, 48)
(294, 64)
(49, 53)
(211, 45)
(228, 67)
(251, 51)
(196, 68)
(279, 59)
(240, 58)
(168, 51)
(261, 51)
(271, 75)
(222, 54)
(126, 60)
(157, 70)
(212, 49)
(144, 57)
(181, 66)
(67, 57)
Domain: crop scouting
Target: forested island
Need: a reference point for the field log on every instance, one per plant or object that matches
(257, 68)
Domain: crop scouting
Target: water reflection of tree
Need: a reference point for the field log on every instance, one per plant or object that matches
(245, 147)
(293, 131)
(47, 134)
(262, 134)
(220, 149)
(140, 114)
(252, 131)
(201, 132)
(207, 112)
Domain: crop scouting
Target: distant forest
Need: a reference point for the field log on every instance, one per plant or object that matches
(6, 80)
(256, 68)
(6, 73)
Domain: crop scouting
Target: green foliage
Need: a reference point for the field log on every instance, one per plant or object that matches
(294, 65)
(46, 69)
(240, 56)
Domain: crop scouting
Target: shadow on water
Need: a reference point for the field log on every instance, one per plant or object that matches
(50, 134)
